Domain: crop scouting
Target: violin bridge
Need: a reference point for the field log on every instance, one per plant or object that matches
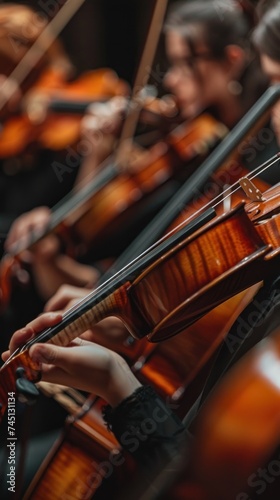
(251, 190)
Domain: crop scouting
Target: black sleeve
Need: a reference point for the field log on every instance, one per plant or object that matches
(146, 427)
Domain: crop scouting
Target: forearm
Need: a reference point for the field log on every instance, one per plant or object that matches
(49, 275)
(121, 382)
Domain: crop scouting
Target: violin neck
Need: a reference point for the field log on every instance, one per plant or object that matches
(78, 323)
(112, 298)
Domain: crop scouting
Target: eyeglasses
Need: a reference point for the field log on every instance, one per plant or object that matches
(189, 63)
(191, 60)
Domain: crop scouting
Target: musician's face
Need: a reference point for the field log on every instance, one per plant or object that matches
(272, 69)
(180, 78)
(197, 80)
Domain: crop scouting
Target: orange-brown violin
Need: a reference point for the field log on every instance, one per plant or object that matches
(55, 131)
(174, 283)
(97, 210)
(237, 433)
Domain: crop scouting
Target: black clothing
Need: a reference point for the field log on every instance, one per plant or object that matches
(145, 426)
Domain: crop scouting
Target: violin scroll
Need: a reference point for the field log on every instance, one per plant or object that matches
(18, 375)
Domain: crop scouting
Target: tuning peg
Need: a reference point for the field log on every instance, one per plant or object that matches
(27, 391)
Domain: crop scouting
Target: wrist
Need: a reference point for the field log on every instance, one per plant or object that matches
(121, 382)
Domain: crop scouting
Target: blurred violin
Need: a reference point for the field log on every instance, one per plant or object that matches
(32, 60)
(111, 195)
(43, 39)
(237, 433)
(118, 202)
(56, 131)
(20, 30)
(29, 47)
(235, 451)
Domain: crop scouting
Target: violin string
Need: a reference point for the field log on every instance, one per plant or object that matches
(252, 175)
(213, 203)
(233, 188)
(122, 272)
(273, 161)
(66, 210)
(86, 301)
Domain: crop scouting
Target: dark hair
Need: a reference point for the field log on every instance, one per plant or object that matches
(223, 23)
(266, 36)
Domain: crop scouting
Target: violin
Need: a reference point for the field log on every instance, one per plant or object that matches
(87, 443)
(123, 197)
(235, 451)
(35, 63)
(54, 130)
(99, 200)
(237, 432)
(25, 55)
(174, 283)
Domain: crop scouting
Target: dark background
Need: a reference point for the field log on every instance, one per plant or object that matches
(104, 33)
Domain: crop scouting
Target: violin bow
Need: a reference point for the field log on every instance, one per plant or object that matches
(39, 48)
(141, 79)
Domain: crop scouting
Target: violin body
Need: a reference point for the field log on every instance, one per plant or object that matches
(35, 125)
(100, 219)
(203, 273)
(84, 453)
(238, 430)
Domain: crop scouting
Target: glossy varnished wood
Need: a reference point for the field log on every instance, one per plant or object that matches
(74, 468)
(198, 274)
(175, 362)
(111, 207)
(238, 430)
(186, 282)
